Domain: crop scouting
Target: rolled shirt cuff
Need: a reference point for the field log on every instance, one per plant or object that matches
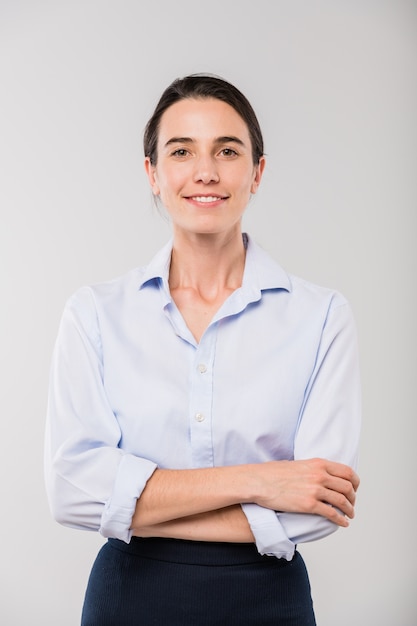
(270, 537)
(132, 476)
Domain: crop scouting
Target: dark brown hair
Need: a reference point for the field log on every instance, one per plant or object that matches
(203, 86)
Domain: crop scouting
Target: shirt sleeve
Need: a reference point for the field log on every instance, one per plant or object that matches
(91, 483)
(329, 427)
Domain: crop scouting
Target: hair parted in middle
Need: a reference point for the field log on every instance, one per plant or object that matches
(203, 86)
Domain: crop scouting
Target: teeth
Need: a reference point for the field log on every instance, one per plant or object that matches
(206, 198)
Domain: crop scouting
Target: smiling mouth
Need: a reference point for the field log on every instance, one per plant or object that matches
(206, 199)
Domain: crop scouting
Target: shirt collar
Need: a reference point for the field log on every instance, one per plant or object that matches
(158, 268)
(261, 271)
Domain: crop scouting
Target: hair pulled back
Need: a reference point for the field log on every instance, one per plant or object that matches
(203, 86)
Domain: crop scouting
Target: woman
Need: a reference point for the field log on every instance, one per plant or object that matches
(204, 409)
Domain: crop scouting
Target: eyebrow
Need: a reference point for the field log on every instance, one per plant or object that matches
(218, 140)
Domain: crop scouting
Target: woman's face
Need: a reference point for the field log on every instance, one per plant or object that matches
(204, 173)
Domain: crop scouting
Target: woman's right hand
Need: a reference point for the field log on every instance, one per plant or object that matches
(315, 486)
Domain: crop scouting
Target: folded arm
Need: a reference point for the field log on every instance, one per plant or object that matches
(202, 504)
(94, 484)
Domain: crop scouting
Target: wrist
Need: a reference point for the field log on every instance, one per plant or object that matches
(255, 485)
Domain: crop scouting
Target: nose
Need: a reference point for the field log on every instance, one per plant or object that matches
(206, 170)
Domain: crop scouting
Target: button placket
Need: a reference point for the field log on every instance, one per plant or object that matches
(201, 400)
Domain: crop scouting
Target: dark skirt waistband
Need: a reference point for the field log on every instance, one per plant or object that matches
(194, 552)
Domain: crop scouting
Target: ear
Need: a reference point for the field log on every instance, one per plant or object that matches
(151, 173)
(259, 170)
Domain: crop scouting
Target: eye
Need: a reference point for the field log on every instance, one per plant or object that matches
(180, 152)
(228, 152)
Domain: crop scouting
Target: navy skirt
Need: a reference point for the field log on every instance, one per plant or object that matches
(171, 582)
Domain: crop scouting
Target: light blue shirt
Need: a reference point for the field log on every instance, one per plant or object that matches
(275, 376)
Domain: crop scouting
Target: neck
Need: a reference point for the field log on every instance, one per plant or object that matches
(207, 263)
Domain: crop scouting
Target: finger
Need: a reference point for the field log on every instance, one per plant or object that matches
(339, 470)
(339, 501)
(343, 487)
(332, 514)
(356, 481)
(342, 504)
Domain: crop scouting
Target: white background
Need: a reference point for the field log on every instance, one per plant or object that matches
(334, 86)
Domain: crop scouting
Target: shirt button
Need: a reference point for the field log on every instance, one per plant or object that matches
(202, 368)
(199, 417)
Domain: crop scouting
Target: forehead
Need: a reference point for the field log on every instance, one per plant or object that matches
(202, 118)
